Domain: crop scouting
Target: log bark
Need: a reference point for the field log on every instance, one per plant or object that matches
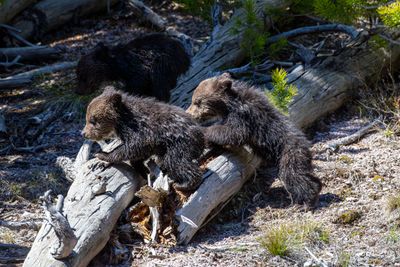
(50, 14)
(10, 8)
(225, 176)
(29, 53)
(221, 51)
(325, 87)
(92, 206)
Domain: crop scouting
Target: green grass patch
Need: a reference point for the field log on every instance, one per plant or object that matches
(282, 240)
(393, 202)
(348, 217)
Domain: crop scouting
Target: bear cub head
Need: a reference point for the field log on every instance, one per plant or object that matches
(101, 117)
(93, 69)
(211, 98)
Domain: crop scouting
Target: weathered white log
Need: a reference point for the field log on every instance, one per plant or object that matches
(325, 87)
(10, 8)
(26, 78)
(46, 15)
(160, 184)
(92, 206)
(29, 53)
(225, 176)
(71, 167)
(221, 51)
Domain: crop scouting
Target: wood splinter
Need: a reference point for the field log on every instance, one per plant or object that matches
(64, 232)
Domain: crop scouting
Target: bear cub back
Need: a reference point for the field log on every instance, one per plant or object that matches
(247, 118)
(148, 66)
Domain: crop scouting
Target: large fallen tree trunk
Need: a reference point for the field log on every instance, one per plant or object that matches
(92, 206)
(50, 14)
(327, 86)
(221, 51)
(10, 8)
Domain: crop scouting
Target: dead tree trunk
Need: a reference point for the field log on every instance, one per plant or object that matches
(49, 14)
(10, 8)
(222, 50)
(328, 85)
(92, 206)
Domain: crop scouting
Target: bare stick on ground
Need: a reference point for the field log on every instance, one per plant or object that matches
(335, 145)
(21, 225)
(30, 53)
(26, 78)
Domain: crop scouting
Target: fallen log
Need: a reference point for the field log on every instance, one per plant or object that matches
(325, 87)
(10, 8)
(26, 78)
(225, 177)
(46, 15)
(29, 53)
(221, 51)
(92, 206)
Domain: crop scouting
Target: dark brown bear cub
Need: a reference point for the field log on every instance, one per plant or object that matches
(148, 66)
(249, 119)
(147, 127)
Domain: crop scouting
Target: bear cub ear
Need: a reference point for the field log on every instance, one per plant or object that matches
(115, 99)
(225, 82)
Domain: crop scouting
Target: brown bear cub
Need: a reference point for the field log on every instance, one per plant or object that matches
(148, 66)
(147, 128)
(247, 118)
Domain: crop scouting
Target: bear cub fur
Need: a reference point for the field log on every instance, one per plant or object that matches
(249, 119)
(148, 65)
(147, 128)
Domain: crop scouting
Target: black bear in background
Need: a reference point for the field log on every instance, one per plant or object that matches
(148, 65)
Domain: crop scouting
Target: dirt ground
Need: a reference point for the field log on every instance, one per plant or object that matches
(359, 179)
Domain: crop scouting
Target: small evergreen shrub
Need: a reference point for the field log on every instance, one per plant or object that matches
(253, 33)
(390, 14)
(283, 92)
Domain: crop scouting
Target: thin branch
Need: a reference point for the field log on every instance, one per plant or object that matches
(314, 29)
(21, 225)
(8, 27)
(20, 38)
(390, 40)
(334, 146)
(12, 63)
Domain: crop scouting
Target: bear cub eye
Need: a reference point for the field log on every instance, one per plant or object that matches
(93, 121)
